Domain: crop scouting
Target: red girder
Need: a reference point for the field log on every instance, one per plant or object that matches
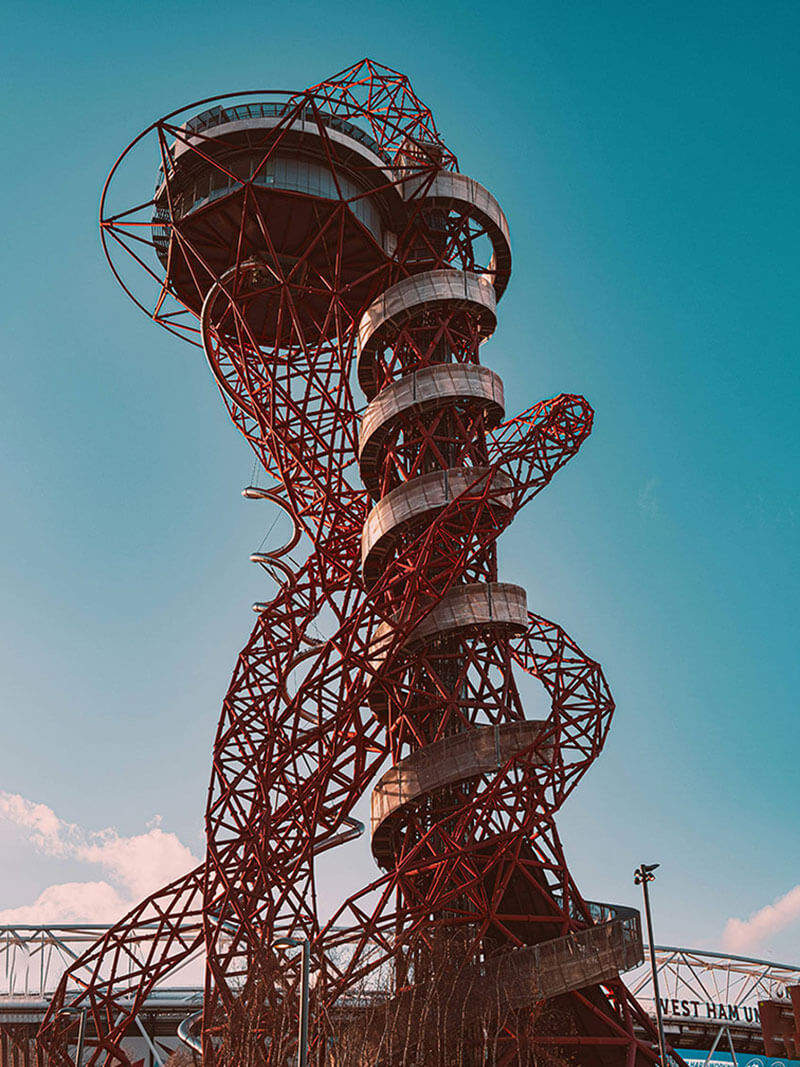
(282, 283)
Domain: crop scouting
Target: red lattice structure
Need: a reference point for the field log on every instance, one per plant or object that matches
(341, 276)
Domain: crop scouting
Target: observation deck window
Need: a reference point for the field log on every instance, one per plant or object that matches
(281, 172)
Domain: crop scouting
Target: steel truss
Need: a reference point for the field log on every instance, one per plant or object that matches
(318, 245)
(701, 989)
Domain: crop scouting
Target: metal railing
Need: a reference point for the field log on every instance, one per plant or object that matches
(218, 116)
(597, 954)
(33, 959)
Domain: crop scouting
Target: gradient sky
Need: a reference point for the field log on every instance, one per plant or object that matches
(647, 159)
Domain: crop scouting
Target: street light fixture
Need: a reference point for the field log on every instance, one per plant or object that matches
(305, 968)
(641, 876)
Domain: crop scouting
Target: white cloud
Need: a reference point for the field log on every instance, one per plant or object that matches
(746, 935)
(47, 832)
(135, 866)
(141, 863)
(70, 902)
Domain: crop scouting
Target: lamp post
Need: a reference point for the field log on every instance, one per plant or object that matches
(641, 876)
(305, 967)
(81, 1030)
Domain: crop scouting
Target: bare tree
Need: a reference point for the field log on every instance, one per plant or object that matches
(453, 1014)
(435, 1009)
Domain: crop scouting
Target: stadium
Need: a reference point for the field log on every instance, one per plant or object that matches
(710, 1001)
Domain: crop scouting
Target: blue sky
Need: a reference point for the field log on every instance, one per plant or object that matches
(647, 160)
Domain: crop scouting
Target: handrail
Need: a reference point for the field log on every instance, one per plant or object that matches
(218, 116)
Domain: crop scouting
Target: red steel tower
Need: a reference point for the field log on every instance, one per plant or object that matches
(341, 275)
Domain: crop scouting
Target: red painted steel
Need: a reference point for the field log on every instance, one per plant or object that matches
(278, 222)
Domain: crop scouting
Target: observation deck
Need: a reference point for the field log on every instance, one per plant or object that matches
(296, 193)
(282, 188)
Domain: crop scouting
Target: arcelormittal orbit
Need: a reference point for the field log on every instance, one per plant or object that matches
(341, 275)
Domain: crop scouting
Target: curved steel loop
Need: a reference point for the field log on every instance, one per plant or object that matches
(256, 492)
(581, 703)
(270, 566)
(567, 431)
